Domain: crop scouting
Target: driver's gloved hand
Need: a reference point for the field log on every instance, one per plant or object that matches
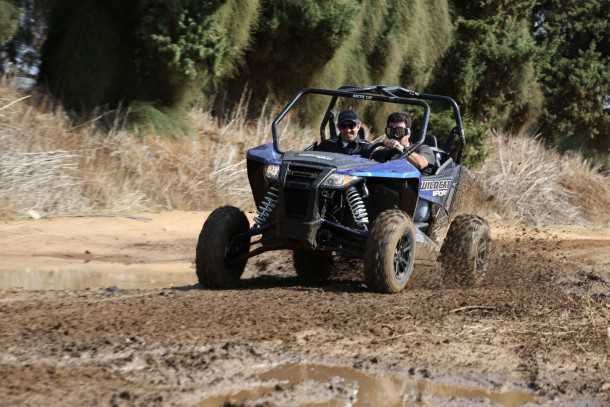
(393, 144)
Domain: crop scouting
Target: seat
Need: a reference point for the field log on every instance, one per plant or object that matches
(439, 155)
(431, 141)
(453, 147)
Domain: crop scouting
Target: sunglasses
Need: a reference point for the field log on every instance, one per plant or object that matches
(397, 132)
(348, 125)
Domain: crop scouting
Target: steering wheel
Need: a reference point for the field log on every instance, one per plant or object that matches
(374, 148)
(407, 152)
(377, 145)
(404, 154)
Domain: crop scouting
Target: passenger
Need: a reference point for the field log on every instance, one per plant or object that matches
(398, 132)
(348, 141)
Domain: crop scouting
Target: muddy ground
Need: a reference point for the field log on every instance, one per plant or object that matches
(143, 333)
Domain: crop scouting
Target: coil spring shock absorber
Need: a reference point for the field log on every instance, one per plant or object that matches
(356, 205)
(267, 206)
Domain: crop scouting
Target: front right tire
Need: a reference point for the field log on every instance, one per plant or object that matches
(390, 252)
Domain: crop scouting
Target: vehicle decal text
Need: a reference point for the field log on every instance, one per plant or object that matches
(436, 184)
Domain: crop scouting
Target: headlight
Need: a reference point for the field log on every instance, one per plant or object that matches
(339, 181)
(272, 171)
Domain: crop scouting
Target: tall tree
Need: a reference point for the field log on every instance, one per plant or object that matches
(490, 66)
(575, 74)
(9, 15)
(302, 43)
(154, 51)
(166, 52)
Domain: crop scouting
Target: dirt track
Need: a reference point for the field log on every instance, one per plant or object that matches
(536, 332)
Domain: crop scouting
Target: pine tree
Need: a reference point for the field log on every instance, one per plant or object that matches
(575, 74)
(490, 66)
(9, 15)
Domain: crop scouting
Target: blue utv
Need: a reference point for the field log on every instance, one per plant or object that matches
(324, 205)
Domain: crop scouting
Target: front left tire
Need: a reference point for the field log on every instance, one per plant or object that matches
(217, 249)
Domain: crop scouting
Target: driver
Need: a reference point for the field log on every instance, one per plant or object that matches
(348, 141)
(398, 132)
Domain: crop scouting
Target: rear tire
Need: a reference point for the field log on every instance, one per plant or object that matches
(468, 197)
(390, 252)
(214, 252)
(464, 255)
(312, 267)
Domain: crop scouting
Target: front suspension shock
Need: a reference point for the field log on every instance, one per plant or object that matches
(267, 206)
(356, 205)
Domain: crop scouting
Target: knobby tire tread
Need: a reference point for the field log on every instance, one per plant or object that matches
(460, 250)
(387, 230)
(217, 231)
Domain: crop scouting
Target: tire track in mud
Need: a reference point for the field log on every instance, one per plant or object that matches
(538, 323)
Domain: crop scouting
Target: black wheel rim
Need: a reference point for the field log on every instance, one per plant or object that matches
(235, 248)
(402, 258)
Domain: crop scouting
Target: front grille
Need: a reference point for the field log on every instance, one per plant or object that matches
(299, 190)
(301, 174)
(297, 201)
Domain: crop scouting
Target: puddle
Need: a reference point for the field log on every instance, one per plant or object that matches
(392, 390)
(78, 279)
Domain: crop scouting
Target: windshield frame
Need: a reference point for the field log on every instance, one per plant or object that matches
(384, 94)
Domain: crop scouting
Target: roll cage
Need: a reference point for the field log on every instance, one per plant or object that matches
(379, 93)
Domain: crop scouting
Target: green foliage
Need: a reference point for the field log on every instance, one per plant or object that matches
(476, 133)
(198, 40)
(575, 74)
(145, 118)
(9, 19)
(490, 68)
(167, 52)
(328, 44)
(107, 54)
(86, 56)
(508, 63)
(293, 42)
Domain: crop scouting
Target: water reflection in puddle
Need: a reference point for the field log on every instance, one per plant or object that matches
(386, 390)
(78, 279)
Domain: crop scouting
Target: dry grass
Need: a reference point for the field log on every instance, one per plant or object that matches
(53, 168)
(533, 184)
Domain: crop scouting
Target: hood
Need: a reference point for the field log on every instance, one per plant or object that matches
(326, 159)
(354, 164)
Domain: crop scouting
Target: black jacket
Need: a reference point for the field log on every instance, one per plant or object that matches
(357, 147)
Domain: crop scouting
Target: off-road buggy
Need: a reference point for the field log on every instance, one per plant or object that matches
(322, 205)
